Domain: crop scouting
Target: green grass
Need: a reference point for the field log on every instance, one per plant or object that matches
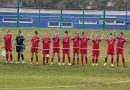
(54, 77)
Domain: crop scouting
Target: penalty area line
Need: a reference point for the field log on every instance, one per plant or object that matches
(69, 86)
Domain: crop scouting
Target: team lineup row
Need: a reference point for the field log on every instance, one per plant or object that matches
(80, 46)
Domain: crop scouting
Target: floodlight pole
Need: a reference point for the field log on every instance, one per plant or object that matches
(18, 7)
(126, 15)
(39, 13)
(83, 12)
(61, 13)
(104, 14)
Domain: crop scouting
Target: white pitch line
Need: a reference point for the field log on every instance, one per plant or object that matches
(71, 86)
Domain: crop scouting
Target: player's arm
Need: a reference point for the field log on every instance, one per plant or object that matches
(104, 36)
(91, 36)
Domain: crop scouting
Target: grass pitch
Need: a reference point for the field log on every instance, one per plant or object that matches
(54, 77)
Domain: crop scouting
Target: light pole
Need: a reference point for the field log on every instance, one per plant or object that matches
(18, 7)
(61, 13)
(104, 13)
(126, 16)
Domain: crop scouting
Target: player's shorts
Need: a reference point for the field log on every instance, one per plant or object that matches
(19, 48)
(66, 51)
(34, 50)
(95, 52)
(110, 52)
(8, 49)
(56, 50)
(119, 51)
(75, 50)
(83, 51)
(46, 51)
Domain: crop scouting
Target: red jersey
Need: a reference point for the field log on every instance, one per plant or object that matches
(96, 44)
(35, 42)
(46, 43)
(84, 42)
(76, 42)
(111, 43)
(8, 40)
(56, 42)
(121, 41)
(66, 42)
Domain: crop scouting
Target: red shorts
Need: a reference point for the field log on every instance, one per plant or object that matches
(7, 49)
(119, 51)
(66, 51)
(83, 51)
(75, 50)
(46, 51)
(34, 50)
(56, 50)
(95, 52)
(110, 52)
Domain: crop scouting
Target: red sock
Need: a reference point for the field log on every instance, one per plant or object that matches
(43, 59)
(11, 57)
(47, 59)
(96, 59)
(93, 60)
(117, 60)
(58, 60)
(77, 60)
(123, 60)
(52, 60)
(36, 58)
(112, 60)
(73, 60)
(69, 59)
(63, 59)
(86, 59)
(106, 59)
(7, 57)
(31, 59)
(82, 59)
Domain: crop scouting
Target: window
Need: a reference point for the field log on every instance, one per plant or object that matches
(108, 22)
(119, 22)
(87, 22)
(14, 20)
(66, 24)
(53, 24)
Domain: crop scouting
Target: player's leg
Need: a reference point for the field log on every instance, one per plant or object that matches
(117, 59)
(123, 59)
(69, 59)
(43, 58)
(63, 58)
(77, 58)
(52, 59)
(96, 60)
(106, 59)
(32, 55)
(58, 54)
(82, 59)
(7, 56)
(47, 58)
(73, 58)
(22, 56)
(18, 57)
(36, 53)
(93, 60)
(11, 56)
(86, 58)
(112, 60)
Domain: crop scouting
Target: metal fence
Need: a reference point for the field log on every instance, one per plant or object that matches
(61, 6)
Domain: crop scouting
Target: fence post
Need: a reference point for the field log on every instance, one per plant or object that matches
(104, 14)
(126, 15)
(18, 13)
(39, 12)
(61, 13)
(83, 13)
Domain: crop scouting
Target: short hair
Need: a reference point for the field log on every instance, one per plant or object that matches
(83, 33)
(36, 32)
(19, 31)
(110, 33)
(66, 32)
(121, 33)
